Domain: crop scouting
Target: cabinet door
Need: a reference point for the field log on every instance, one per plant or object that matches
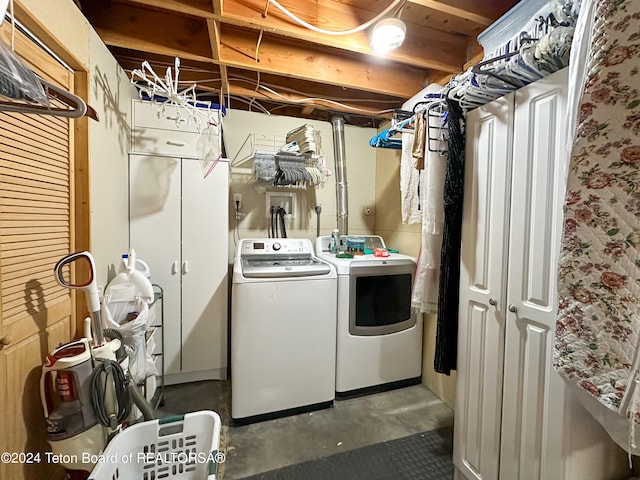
(534, 397)
(204, 267)
(154, 222)
(482, 290)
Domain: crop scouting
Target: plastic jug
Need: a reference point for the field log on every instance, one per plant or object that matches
(131, 275)
(139, 265)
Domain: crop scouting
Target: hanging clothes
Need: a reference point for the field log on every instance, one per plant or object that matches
(418, 150)
(425, 287)
(598, 326)
(449, 291)
(410, 183)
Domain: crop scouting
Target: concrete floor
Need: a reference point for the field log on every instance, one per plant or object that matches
(349, 424)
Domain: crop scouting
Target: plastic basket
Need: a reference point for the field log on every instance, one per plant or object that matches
(179, 447)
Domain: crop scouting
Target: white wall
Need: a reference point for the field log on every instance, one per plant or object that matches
(361, 168)
(110, 94)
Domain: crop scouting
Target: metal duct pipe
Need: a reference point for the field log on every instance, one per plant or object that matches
(342, 203)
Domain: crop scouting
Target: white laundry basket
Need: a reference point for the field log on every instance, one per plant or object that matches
(179, 447)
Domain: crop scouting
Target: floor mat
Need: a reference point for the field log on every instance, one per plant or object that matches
(423, 456)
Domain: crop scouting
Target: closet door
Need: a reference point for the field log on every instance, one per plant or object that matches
(38, 226)
(204, 268)
(533, 402)
(154, 219)
(482, 290)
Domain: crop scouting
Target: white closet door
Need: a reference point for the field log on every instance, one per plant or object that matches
(154, 216)
(483, 290)
(534, 394)
(204, 267)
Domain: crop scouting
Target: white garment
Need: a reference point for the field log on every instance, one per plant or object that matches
(425, 288)
(410, 180)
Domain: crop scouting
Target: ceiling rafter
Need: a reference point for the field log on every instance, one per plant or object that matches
(454, 11)
(445, 47)
(232, 46)
(237, 49)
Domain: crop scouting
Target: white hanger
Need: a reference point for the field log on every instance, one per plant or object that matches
(77, 107)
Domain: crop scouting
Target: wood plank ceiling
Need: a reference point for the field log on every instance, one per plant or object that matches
(248, 54)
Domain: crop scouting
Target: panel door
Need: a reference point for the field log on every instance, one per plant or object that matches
(154, 219)
(204, 267)
(533, 399)
(482, 290)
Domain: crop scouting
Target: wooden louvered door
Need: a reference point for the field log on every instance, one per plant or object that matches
(36, 219)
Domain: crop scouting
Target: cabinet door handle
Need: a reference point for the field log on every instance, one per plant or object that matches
(6, 340)
(174, 268)
(512, 308)
(171, 117)
(185, 267)
(492, 302)
(175, 143)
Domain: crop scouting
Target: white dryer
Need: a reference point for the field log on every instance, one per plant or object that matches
(283, 329)
(379, 341)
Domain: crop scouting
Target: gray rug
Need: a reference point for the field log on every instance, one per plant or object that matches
(423, 456)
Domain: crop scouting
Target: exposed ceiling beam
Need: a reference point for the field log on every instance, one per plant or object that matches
(297, 61)
(454, 11)
(213, 28)
(309, 62)
(435, 49)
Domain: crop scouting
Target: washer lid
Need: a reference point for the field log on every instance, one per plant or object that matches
(283, 267)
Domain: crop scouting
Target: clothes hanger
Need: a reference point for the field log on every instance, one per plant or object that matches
(77, 107)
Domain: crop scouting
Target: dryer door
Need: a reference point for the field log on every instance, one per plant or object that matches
(380, 296)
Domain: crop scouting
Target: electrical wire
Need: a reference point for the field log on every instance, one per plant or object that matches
(281, 214)
(393, 6)
(236, 230)
(261, 107)
(292, 90)
(263, 85)
(273, 232)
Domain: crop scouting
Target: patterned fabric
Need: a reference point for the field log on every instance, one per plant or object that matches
(599, 270)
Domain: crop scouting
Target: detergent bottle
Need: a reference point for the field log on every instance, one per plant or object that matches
(134, 276)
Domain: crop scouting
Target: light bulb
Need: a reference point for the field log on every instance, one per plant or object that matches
(387, 34)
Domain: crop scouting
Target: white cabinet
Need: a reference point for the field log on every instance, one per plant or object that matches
(514, 418)
(179, 226)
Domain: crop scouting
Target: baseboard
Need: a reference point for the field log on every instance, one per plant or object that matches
(187, 377)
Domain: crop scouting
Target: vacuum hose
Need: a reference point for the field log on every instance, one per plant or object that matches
(109, 374)
(141, 402)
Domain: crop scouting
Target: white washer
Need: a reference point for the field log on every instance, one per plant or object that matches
(379, 342)
(283, 329)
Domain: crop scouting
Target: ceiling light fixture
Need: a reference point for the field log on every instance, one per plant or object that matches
(387, 34)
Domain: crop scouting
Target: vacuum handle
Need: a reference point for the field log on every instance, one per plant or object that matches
(43, 392)
(90, 286)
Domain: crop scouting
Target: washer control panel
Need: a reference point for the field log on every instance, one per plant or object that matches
(267, 247)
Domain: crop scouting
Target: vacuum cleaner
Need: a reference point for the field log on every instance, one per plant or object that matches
(85, 393)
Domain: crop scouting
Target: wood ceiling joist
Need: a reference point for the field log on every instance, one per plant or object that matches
(445, 51)
(299, 61)
(465, 12)
(148, 30)
(311, 63)
(214, 36)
